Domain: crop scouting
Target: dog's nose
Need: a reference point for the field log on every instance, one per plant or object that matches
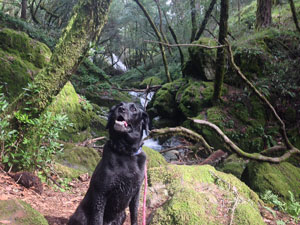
(121, 109)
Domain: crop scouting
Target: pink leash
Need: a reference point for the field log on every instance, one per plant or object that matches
(145, 194)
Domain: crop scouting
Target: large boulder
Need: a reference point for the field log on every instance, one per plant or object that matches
(201, 63)
(87, 118)
(194, 97)
(82, 159)
(200, 195)
(279, 178)
(21, 58)
(18, 212)
(163, 103)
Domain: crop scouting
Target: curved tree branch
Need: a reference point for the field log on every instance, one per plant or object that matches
(239, 151)
(261, 97)
(182, 132)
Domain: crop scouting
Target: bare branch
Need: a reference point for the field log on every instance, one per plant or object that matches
(261, 97)
(182, 132)
(185, 45)
(240, 152)
(148, 89)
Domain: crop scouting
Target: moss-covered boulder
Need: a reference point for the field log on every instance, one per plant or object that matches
(18, 212)
(201, 195)
(21, 58)
(194, 97)
(164, 103)
(201, 63)
(154, 158)
(85, 117)
(279, 178)
(20, 44)
(234, 165)
(80, 158)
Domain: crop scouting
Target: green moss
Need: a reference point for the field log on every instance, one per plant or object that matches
(164, 103)
(192, 199)
(234, 165)
(15, 73)
(154, 158)
(80, 158)
(200, 64)
(194, 97)
(246, 214)
(20, 44)
(279, 178)
(67, 172)
(80, 112)
(20, 213)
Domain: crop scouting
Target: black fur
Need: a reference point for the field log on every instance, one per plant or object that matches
(117, 179)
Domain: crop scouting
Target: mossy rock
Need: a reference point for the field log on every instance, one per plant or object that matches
(279, 178)
(17, 212)
(234, 165)
(163, 103)
(194, 97)
(154, 158)
(67, 172)
(80, 158)
(15, 74)
(194, 196)
(20, 44)
(81, 114)
(154, 80)
(21, 58)
(201, 62)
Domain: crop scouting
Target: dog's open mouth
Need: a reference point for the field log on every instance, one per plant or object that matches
(121, 125)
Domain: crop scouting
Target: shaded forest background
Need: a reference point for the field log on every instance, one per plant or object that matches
(225, 76)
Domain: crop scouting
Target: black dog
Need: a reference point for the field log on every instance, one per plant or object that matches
(117, 179)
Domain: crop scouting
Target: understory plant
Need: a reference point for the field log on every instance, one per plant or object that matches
(33, 146)
(291, 207)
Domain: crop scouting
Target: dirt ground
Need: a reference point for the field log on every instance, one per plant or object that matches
(58, 206)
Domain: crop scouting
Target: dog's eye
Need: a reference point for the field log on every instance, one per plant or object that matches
(132, 108)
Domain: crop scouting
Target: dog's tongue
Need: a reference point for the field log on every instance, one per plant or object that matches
(121, 126)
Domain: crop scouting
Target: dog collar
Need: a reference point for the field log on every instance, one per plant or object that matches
(137, 152)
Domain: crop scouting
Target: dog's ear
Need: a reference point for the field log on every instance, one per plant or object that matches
(110, 119)
(145, 118)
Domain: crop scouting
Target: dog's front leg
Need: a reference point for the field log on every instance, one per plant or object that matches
(133, 207)
(98, 211)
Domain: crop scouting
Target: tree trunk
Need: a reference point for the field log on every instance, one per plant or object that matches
(293, 9)
(205, 20)
(176, 42)
(84, 27)
(239, 10)
(193, 19)
(23, 9)
(158, 35)
(220, 62)
(263, 13)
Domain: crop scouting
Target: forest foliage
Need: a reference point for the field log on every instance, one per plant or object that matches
(152, 42)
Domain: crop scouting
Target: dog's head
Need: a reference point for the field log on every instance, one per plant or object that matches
(126, 123)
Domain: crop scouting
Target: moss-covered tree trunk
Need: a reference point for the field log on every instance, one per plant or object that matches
(220, 67)
(263, 13)
(205, 20)
(84, 27)
(193, 19)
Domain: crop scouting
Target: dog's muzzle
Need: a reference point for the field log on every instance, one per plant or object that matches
(122, 126)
